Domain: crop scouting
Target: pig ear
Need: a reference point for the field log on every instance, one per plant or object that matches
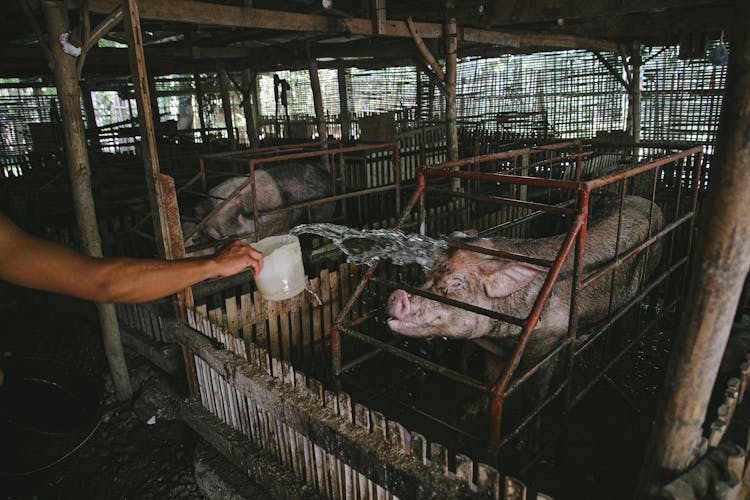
(504, 277)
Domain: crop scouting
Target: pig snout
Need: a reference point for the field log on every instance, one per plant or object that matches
(398, 304)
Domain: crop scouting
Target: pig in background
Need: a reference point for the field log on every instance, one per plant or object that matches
(276, 187)
(511, 287)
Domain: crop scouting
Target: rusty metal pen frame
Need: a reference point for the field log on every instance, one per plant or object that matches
(326, 153)
(575, 237)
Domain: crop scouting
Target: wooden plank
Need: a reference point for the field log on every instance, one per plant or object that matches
(385, 466)
(295, 305)
(233, 318)
(325, 295)
(261, 332)
(285, 333)
(274, 344)
(488, 480)
(335, 299)
(317, 311)
(307, 340)
(247, 316)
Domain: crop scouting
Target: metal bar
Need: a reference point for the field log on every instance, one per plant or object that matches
(612, 178)
(531, 371)
(614, 264)
(502, 254)
(602, 329)
(366, 357)
(582, 393)
(455, 303)
(505, 201)
(509, 154)
(530, 417)
(435, 367)
(531, 321)
(498, 388)
(505, 178)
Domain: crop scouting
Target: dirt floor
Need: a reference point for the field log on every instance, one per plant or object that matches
(134, 450)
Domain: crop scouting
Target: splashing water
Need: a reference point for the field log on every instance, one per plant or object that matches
(368, 245)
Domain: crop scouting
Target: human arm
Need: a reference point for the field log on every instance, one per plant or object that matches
(35, 263)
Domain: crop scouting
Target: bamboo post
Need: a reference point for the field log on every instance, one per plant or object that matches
(346, 124)
(718, 274)
(320, 116)
(145, 119)
(249, 86)
(88, 107)
(635, 95)
(66, 80)
(226, 105)
(451, 47)
(199, 99)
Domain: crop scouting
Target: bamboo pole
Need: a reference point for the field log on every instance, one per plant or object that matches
(718, 274)
(634, 93)
(320, 116)
(199, 99)
(346, 124)
(145, 119)
(451, 47)
(88, 107)
(68, 92)
(226, 105)
(249, 86)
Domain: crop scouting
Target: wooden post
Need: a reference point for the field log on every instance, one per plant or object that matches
(634, 96)
(199, 98)
(420, 94)
(88, 107)
(226, 105)
(145, 119)
(249, 86)
(718, 274)
(68, 92)
(451, 46)
(346, 123)
(320, 116)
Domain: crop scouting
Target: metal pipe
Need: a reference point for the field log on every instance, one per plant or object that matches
(429, 365)
(496, 403)
(506, 179)
(612, 178)
(455, 303)
(505, 201)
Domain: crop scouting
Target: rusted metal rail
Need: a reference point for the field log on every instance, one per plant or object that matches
(574, 243)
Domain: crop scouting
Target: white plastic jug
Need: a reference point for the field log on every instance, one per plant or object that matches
(283, 275)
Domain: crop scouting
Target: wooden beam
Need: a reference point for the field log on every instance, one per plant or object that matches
(501, 12)
(145, 119)
(344, 113)
(378, 16)
(68, 94)
(250, 99)
(203, 13)
(320, 116)
(226, 105)
(424, 51)
(38, 32)
(108, 24)
(720, 267)
(451, 60)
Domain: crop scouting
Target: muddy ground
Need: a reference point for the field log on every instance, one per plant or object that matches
(125, 455)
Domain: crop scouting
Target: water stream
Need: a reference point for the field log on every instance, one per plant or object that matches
(365, 246)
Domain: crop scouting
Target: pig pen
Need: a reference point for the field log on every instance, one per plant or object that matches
(306, 379)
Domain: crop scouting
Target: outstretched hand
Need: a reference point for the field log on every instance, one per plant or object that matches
(236, 257)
